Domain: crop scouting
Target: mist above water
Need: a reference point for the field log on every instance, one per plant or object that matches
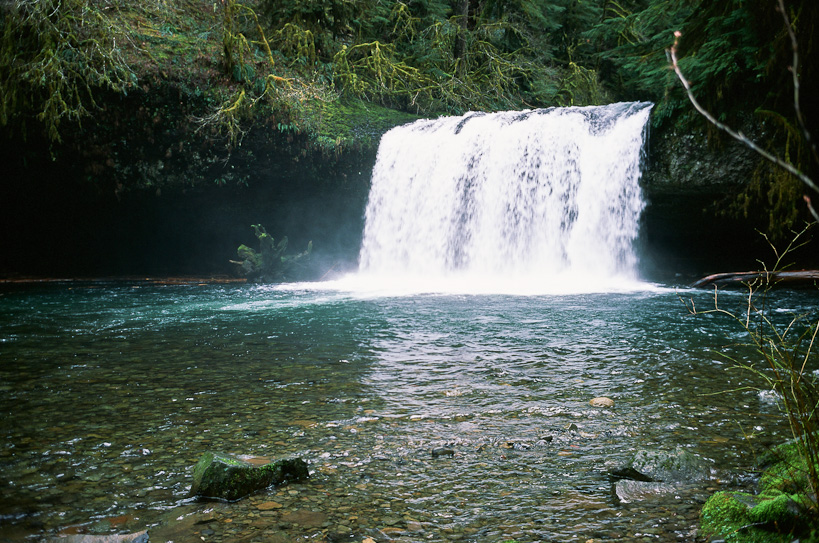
(534, 201)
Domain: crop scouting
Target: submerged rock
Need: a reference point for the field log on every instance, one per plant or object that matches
(183, 524)
(305, 518)
(138, 537)
(224, 477)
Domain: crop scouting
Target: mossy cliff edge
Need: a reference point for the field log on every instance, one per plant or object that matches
(149, 96)
(195, 78)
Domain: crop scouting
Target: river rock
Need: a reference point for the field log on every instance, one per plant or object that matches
(305, 518)
(602, 401)
(138, 537)
(627, 491)
(183, 524)
(678, 466)
(225, 477)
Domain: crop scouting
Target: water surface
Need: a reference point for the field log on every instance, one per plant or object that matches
(109, 394)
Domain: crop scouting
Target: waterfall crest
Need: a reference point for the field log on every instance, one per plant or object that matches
(541, 196)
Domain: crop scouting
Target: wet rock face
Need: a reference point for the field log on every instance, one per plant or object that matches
(224, 477)
(684, 162)
(689, 185)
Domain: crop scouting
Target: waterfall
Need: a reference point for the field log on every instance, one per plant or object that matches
(547, 196)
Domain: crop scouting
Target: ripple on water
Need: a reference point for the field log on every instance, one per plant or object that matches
(112, 394)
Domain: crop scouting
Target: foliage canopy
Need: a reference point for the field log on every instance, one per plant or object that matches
(422, 56)
(55, 56)
(305, 64)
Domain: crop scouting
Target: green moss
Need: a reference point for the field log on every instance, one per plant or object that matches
(777, 509)
(781, 510)
(723, 509)
(729, 516)
(221, 476)
(345, 123)
(785, 469)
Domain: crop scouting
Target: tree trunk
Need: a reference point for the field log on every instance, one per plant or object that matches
(462, 12)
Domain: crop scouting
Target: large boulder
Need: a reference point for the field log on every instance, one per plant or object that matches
(677, 466)
(225, 477)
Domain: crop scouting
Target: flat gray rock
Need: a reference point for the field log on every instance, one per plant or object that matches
(632, 491)
(137, 537)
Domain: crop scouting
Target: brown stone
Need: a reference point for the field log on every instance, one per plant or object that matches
(255, 460)
(267, 506)
(307, 519)
(601, 402)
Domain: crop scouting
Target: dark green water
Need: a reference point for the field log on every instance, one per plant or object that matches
(109, 393)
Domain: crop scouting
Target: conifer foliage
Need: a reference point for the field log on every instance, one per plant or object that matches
(302, 61)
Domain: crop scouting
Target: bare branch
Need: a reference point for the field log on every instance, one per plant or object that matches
(739, 136)
(797, 105)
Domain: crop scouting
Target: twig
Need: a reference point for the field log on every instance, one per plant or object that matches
(796, 86)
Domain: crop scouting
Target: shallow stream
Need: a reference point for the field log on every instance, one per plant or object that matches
(110, 392)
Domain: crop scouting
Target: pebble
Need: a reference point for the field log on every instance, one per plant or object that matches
(601, 401)
(267, 506)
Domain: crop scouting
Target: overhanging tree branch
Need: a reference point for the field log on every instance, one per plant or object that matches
(796, 85)
(742, 138)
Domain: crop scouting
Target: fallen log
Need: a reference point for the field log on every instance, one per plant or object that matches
(797, 278)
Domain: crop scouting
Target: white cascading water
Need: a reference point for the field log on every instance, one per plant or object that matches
(545, 200)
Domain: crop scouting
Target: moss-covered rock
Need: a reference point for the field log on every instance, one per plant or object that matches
(777, 511)
(783, 508)
(225, 477)
(344, 123)
(785, 469)
(727, 515)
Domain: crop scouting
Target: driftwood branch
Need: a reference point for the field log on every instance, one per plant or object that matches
(773, 278)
